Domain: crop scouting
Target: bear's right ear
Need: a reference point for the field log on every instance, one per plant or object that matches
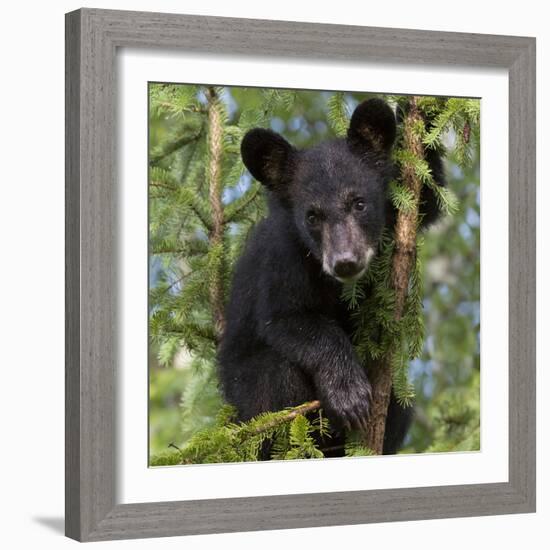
(267, 155)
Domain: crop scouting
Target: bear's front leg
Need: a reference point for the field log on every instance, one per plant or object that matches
(319, 346)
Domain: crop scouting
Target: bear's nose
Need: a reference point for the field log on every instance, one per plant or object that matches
(346, 269)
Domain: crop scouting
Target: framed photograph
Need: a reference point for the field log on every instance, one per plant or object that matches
(300, 275)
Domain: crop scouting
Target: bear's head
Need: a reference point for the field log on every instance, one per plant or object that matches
(336, 191)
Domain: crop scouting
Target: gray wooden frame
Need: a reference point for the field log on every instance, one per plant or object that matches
(92, 38)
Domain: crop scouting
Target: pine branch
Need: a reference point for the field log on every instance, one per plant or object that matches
(403, 261)
(169, 106)
(291, 415)
(228, 441)
(174, 146)
(192, 200)
(163, 185)
(204, 332)
(239, 206)
(337, 115)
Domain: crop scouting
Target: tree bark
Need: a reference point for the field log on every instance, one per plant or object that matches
(403, 259)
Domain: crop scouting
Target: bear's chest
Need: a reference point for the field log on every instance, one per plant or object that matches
(331, 305)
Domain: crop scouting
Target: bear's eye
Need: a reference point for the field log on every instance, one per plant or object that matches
(312, 218)
(359, 205)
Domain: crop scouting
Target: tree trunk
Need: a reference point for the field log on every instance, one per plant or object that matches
(215, 149)
(404, 256)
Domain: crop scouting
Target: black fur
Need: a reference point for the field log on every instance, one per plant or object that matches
(287, 337)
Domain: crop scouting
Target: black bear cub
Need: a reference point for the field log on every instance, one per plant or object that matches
(287, 337)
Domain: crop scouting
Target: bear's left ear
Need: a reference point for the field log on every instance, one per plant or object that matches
(372, 126)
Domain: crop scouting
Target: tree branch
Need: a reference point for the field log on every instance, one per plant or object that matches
(291, 415)
(232, 213)
(173, 146)
(403, 259)
(163, 185)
